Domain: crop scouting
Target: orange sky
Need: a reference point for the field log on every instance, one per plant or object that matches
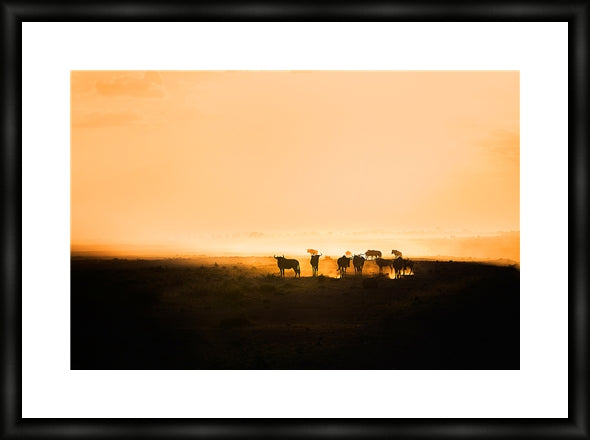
(207, 161)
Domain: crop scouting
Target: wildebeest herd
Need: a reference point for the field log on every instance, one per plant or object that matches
(399, 266)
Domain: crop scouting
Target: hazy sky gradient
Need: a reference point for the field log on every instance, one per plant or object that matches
(174, 157)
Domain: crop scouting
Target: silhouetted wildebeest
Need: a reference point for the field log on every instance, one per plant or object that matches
(343, 263)
(382, 262)
(315, 260)
(285, 263)
(409, 265)
(358, 261)
(396, 253)
(398, 266)
(373, 254)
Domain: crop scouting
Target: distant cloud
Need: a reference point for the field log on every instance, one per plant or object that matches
(98, 119)
(137, 84)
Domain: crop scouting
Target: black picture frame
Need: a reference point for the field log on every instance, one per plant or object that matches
(14, 13)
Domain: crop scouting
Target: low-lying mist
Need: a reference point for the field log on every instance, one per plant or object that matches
(486, 247)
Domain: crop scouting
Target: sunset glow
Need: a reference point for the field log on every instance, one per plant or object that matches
(263, 162)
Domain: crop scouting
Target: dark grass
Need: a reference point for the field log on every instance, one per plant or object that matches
(185, 314)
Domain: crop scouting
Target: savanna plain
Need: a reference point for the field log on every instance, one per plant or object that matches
(238, 313)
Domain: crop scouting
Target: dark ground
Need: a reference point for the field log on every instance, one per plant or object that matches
(237, 314)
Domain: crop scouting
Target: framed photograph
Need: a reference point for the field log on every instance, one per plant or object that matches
(178, 179)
